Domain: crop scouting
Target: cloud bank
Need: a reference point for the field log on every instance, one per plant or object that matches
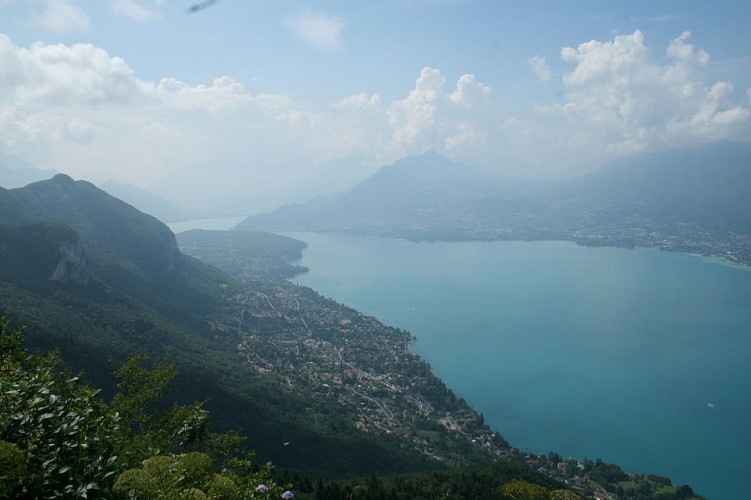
(78, 109)
(618, 99)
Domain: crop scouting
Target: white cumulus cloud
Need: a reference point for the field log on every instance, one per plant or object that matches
(59, 75)
(223, 94)
(432, 118)
(78, 109)
(57, 98)
(619, 99)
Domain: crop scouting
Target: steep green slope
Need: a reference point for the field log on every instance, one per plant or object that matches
(98, 280)
(94, 265)
(317, 387)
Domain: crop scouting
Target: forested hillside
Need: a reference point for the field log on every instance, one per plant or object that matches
(321, 390)
(91, 276)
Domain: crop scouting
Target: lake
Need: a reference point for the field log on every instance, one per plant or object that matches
(216, 223)
(637, 357)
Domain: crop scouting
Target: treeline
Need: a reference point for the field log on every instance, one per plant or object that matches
(487, 481)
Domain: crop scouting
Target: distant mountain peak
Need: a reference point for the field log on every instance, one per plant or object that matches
(429, 159)
(419, 188)
(63, 178)
(430, 154)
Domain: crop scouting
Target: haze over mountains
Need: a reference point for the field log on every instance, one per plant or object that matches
(14, 172)
(676, 192)
(690, 200)
(97, 278)
(410, 195)
(694, 200)
(708, 186)
(146, 201)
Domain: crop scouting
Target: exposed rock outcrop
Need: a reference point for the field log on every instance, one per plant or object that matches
(73, 265)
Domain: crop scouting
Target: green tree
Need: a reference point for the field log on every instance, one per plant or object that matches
(64, 433)
(189, 475)
(142, 384)
(518, 489)
(12, 467)
(59, 439)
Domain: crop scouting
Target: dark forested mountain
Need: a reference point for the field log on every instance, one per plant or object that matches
(95, 278)
(695, 200)
(77, 262)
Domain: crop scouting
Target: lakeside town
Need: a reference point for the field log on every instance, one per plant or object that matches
(319, 347)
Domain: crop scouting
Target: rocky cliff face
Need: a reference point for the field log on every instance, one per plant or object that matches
(73, 266)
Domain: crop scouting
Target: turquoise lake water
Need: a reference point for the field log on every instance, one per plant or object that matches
(637, 357)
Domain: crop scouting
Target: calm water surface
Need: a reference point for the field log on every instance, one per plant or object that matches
(634, 356)
(217, 223)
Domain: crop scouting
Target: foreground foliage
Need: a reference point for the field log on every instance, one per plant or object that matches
(488, 481)
(58, 438)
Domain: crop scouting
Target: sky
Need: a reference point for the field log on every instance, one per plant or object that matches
(298, 98)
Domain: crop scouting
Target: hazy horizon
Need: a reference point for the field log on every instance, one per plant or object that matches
(286, 101)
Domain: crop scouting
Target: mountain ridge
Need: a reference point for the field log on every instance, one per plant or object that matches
(71, 272)
(320, 388)
(693, 200)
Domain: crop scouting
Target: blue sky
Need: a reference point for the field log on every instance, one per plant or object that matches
(320, 94)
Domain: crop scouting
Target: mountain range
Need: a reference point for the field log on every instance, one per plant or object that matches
(79, 264)
(319, 388)
(696, 200)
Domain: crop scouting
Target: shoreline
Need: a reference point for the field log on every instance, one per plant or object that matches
(567, 242)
